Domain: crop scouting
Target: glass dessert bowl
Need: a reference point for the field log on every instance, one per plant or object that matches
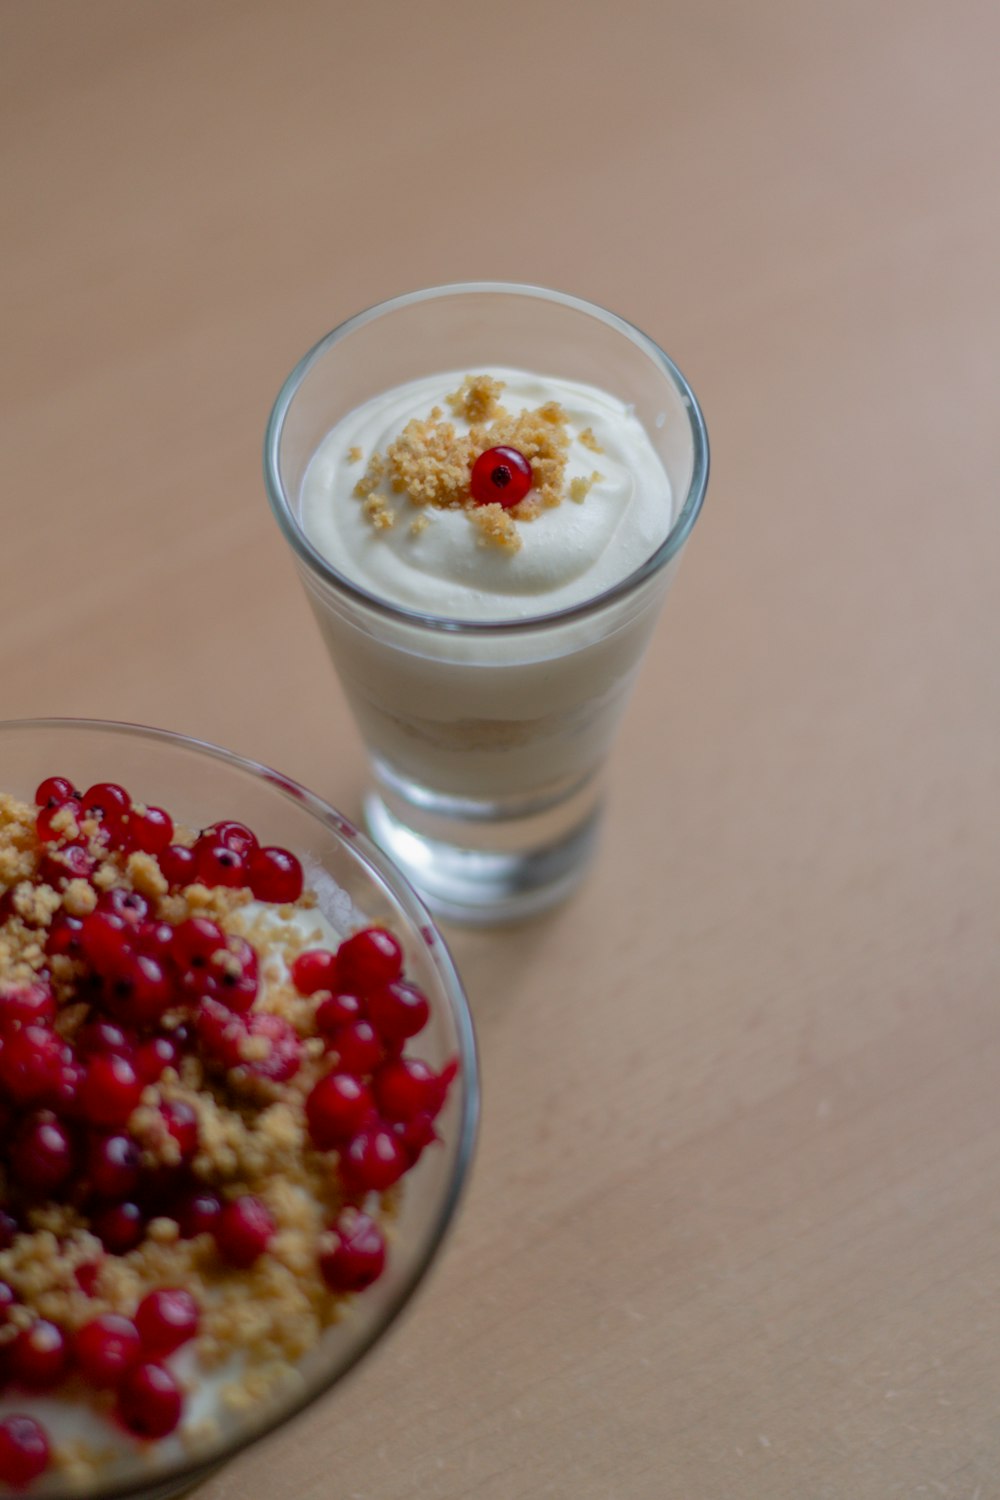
(238, 1079)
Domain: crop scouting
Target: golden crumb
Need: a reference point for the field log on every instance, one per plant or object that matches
(371, 478)
(580, 487)
(79, 898)
(35, 904)
(378, 513)
(496, 527)
(64, 823)
(477, 399)
(588, 440)
(354, 455)
(145, 875)
(419, 524)
(430, 463)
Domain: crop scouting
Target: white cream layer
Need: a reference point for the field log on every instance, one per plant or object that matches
(569, 553)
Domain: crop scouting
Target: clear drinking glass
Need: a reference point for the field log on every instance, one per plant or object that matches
(199, 784)
(487, 741)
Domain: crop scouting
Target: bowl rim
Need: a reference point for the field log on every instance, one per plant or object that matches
(424, 928)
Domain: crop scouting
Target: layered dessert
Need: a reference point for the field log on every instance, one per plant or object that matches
(493, 498)
(209, 1101)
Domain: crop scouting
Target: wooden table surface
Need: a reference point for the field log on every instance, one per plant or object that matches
(734, 1227)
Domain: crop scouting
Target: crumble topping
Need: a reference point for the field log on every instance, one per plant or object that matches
(430, 462)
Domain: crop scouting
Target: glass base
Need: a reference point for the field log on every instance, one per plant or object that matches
(486, 873)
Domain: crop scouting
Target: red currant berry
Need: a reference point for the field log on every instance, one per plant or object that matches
(106, 1348)
(110, 1091)
(24, 1451)
(64, 936)
(149, 1401)
(398, 1011)
(275, 875)
(220, 865)
(357, 1047)
(197, 1212)
(235, 836)
(336, 1109)
(232, 976)
(54, 791)
(87, 1276)
(195, 940)
(368, 960)
(137, 989)
(315, 970)
(60, 866)
(41, 1156)
(166, 1319)
(150, 829)
(352, 1253)
(39, 1356)
(110, 805)
(114, 1165)
(30, 1064)
(156, 939)
(8, 1229)
(182, 1035)
(103, 1036)
(132, 907)
(26, 1004)
(120, 1227)
(154, 1056)
(406, 1088)
(336, 1012)
(373, 1160)
(8, 1299)
(447, 1077)
(106, 799)
(64, 1095)
(414, 1134)
(178, 865)
(104, 939)
(500, 476)
(243, 1231)
(284, 1055)
(182, 1125)
(220, 1034)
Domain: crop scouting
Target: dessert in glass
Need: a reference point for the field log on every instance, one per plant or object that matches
(487, 489)
(238, 1096)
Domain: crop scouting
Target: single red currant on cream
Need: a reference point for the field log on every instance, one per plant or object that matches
(500, 476)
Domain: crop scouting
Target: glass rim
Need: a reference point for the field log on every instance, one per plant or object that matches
(281, 504)
(193, 1469)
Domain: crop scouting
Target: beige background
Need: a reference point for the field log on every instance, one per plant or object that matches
(734, 1230)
